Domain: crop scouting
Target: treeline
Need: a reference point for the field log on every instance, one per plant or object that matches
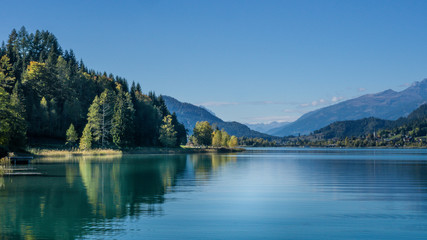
(363, 141)
(350, 128)
(410, 131)
(205, 135)
(258, 142)
(45, 91)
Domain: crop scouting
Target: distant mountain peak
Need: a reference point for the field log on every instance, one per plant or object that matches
(422, 83)
(388, 91)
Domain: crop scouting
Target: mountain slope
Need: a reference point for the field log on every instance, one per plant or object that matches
(357, 128)
(419, 113)
(388, 105)
(350, 128)
(188, 114)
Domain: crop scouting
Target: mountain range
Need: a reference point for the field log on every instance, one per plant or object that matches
(189, 114)
(387, 105)
(365, 126)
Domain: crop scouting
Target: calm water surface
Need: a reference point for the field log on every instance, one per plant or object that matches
(280, 193)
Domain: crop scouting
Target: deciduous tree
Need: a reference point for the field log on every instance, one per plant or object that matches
(217, 138)
(233, 142)
(202, 133)
(167, 132)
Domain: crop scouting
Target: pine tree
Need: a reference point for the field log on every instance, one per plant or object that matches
(5, 119)
(62, 74)
(138, 88)
(72, 112)
(12, 51)
(53, 119)
(107, 111)
(17, 99)
(181, 132)
(2, 49)
(44, 116)
(147, 120)
(12, 124)
(71, 135)
(123, 121)
(161, 105)
(94, 119)
(19, 137)
(132, 89)
(86, 139)
(167, 132)
(7, 80)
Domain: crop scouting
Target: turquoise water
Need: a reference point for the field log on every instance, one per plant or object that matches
(278, 193)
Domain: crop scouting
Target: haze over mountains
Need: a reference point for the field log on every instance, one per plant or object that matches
(188, 114)
(266, 127)
(387, 105)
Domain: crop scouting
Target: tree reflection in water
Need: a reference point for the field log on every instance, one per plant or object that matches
(85, 193)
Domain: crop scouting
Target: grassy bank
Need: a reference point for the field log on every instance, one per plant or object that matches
(182, 149)
(4, 163)
(52, 152)
(46, 152)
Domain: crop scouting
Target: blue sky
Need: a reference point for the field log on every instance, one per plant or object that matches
(248, 61)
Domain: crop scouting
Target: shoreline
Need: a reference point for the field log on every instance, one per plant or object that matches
(373, 147)
(51, 152)
(57, 152)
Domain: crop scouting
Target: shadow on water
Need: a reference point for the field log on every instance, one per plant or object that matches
(83, 195)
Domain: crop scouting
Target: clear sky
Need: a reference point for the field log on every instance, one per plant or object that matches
(248, 61)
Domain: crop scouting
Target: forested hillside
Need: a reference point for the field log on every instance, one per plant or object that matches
(414, 125)
(353, 128)
(45, 90)
(190, 114)
(408, 131)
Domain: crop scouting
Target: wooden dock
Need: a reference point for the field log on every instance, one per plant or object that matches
(19, 171)
(22, 174)
(14, 170)
(20, 159)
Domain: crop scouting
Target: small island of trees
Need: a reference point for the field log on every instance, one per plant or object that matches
(204, 135)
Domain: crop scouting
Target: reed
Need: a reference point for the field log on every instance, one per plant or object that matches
(54, 152)
(4, 165)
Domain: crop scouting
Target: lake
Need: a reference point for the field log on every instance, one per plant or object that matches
(263, 193)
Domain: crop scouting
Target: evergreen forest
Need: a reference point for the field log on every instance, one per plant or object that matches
(48, 95)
